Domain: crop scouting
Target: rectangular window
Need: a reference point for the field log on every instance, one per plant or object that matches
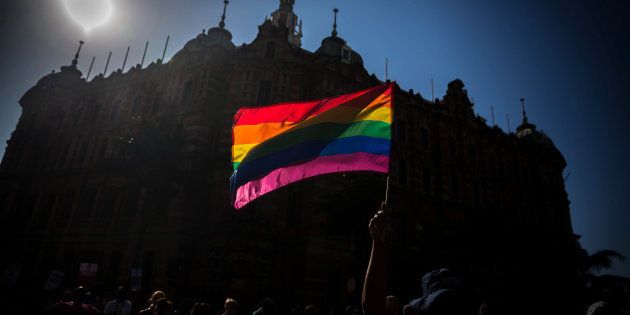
(455, 186)
(402, 172)
(24, 210)
(264, 92)
(63, 211)
(271, 50)
(345, 54)
(426, 180)
(63, 154)
(476, 193)
(401, 130)
(96, 113)
(424, 139)
(452, 148)
(84, 211)
(131, 202)
(113, 115)
(188, 91)
(102, 148)
(107, 205)
(45, 209)
(80, 158)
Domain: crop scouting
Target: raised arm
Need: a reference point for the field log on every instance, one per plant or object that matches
(375, 286)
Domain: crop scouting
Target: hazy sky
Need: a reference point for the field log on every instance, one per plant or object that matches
(570, 60)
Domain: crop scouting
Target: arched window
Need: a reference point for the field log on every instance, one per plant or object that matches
(187, 92)
(271, 50)
(135, 107)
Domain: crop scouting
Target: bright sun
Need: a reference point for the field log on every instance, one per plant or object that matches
(89, 13)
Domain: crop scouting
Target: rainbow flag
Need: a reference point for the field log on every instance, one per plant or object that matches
(276, 145)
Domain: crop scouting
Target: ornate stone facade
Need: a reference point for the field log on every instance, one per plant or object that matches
(132, 170)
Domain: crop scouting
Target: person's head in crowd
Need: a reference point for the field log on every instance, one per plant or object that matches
(230, 306)
(268, 306)
(157, 295)
(352, 310)
(201, 309)
(392, 305)
(312, 310)
(185, 306)
(408, 310)
(601, 308)
(493, 308)
(442, 293)
(163, 307)
(79, 295)
(67, 296)
(121, 293)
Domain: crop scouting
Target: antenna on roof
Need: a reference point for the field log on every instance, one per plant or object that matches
(492, 112)
(334, 32)
(90, 70)
(165, 46)
(76, 56)
(507, 115)
(300, 28)
(432, 93)
(144, 53)
(523, 108)
(125, 60)
(107, 64)
(222, 23)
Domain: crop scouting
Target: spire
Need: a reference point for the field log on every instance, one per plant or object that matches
(287, 3)
(76, 56)
(334, 31)
(222, 23)
(525, 122)
(285, 17)
(300, 28)
(526, 127)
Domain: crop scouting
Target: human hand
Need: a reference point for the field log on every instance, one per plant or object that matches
(378, 223)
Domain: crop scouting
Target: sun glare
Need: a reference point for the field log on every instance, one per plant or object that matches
(89, 13)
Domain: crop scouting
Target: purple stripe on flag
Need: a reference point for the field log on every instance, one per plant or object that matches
(321, 165)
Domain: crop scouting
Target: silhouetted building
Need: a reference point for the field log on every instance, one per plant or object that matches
(126, 178)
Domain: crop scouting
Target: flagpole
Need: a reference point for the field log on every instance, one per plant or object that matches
(387, 190)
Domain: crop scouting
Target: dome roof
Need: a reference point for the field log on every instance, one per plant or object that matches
(218, 36)
(527, 132)
(337, 47)
(69, 75)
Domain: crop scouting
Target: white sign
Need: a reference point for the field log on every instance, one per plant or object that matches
(10, 275)
(136, 278)
(55, 277)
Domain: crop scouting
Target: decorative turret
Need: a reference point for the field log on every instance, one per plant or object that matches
(525, 127)
(65, 80)
(285, 17)
(527, 131)
(72, 68)
(456, 94)
(335, 46)
(219, 35)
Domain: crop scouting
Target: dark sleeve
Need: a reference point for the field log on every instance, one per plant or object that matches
(375, 285)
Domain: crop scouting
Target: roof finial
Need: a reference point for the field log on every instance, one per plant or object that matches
(222, 23)
(76, 56)
(523, 108)
(334, 32)
(300, 28)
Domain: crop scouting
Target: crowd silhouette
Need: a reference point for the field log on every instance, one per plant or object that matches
(442, 292)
